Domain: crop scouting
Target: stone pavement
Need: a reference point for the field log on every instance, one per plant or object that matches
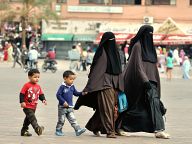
(176, 95)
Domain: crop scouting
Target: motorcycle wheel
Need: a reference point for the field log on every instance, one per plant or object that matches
(53, 70)
(44, 69)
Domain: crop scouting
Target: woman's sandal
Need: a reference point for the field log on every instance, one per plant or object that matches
(162, 135)
(121, 132)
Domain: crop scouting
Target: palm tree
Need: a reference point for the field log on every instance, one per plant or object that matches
(31, 11)
(3, 7)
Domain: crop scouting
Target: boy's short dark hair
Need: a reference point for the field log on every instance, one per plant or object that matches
(68, 73)
(33, 71)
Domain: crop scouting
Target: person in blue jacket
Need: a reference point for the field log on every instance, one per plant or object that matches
(65, 107)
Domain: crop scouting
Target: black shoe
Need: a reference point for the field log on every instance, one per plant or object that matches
(39, 130)
(26, 133)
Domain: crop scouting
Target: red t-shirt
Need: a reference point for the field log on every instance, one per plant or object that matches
(51, 55)
(31, 92)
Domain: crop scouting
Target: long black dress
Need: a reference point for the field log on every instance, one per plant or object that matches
(140, 69)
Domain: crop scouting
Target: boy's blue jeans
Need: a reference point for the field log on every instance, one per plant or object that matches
(69, 114)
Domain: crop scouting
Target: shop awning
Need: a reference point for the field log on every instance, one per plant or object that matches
(84, 37)
(57, 37)
(157, 38)
(177, 40)
(120, 37)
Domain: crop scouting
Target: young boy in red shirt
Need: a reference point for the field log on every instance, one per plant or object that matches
(29, 95)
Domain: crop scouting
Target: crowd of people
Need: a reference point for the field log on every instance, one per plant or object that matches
(168, 59)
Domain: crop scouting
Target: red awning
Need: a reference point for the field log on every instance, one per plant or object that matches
(158, 39)
(120, 37)
(177, 39)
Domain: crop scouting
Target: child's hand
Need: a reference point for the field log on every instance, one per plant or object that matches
(44, 102)
(84, 93)
(23, 104)
(65, 104)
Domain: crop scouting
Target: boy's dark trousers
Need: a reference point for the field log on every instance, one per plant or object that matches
(29, 119)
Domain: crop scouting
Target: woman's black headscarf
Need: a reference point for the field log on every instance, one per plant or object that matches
(108, 43)
(145, 36)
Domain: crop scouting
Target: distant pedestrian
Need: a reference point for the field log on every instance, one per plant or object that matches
(169, 64)
(186, 68)
(122, 56)
(33, 57)
(29, 95)
(182, 55)
(74, 56)
(65, 107)
(16, 55)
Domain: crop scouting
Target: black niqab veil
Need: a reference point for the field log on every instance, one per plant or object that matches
(145, 36)
(108, 43)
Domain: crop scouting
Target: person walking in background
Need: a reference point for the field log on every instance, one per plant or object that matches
(29, 95)
(186, 68)
(176, 56)
(24, 57)
(103, 85)
(169, 65)
(161, 60)
(5, 52)
(65, 107)
(182, 55)
(141, 77)
(74, 57)
(89, 60)
(83, 60)
(10, 53)
(122, 56)
(33, 57)
(16, 55)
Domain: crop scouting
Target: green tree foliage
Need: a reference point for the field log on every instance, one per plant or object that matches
(31, 11)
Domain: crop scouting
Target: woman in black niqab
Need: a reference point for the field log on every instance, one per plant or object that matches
(105, 80)
(145, 36)
(113, 60)
(142, 76)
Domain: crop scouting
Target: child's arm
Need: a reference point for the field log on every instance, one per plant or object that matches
(76, 93)
(22, 100)
(42, 98)
(59, 95)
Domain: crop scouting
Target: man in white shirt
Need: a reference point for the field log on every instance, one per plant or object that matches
(33, 56)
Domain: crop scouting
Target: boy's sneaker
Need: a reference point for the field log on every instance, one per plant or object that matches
(26, 133)
(80, 131)
(59, 133)
(39, 130)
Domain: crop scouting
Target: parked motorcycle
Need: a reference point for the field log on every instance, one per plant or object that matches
(49, 65)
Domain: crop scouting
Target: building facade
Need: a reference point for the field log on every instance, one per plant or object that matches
(85, 20)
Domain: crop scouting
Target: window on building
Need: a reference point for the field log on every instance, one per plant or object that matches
(190, 2)
(92, 1)
(160, 2)
(136, 2)
(61, 1)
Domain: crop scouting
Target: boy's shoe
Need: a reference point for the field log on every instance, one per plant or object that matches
(80, 131)
(39, 130)
(59, 133)
(26, 133)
